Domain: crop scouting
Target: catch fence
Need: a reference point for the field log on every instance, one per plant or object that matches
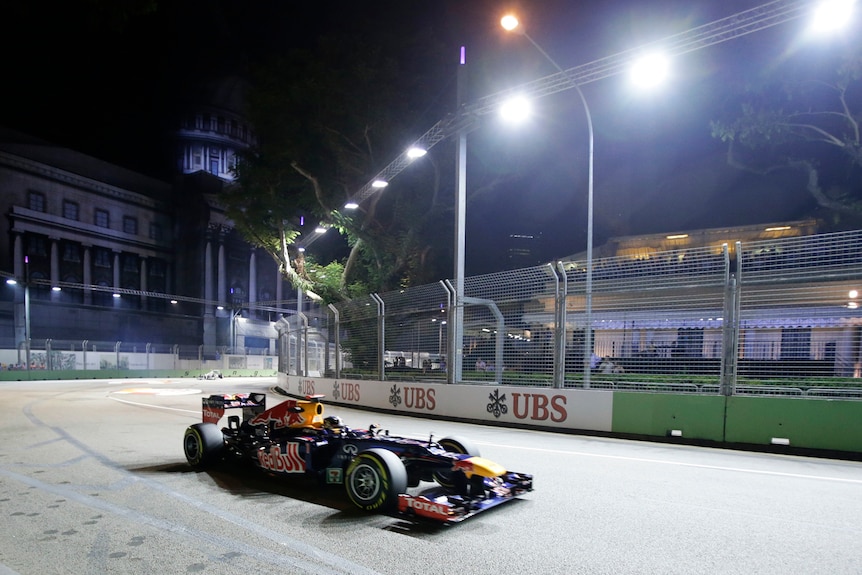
(775, 316)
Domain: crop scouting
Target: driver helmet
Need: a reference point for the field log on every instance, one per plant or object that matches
(333, 422)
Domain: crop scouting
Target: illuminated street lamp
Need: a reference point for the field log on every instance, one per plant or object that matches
(511, 23)
(647, 71)
(831, 15)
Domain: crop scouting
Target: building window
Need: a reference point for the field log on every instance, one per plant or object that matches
(36, 246)
(36, 201)
(157, 268)
(71, 252)
(102, 258)
(102, 218)
(70, 210)
(130, 263)
(197, 157)
(130, 225)
(155, 231)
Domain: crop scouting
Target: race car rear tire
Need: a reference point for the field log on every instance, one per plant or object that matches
(374, 479)
(448, 479)
(203, 444)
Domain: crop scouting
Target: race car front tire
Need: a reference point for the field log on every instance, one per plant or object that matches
(374, 479)
(448, 479)
(203, 444)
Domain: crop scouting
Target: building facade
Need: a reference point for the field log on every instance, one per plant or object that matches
(98, 253)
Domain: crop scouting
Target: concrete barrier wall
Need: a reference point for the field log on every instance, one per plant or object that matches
(817, 424)
(552, 408)
(658, 415)
(828, 424)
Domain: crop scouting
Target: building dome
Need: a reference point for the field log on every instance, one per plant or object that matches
(213, 129)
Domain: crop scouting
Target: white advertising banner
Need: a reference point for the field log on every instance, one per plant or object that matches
(547, 407)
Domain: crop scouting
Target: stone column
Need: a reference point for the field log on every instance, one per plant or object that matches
(210, 327)
(116, 278)
(208, 274)
(117, 271)
(222, 272)
(88, 276)
(18, 269)
(143, 282)
(18, 264)
(55, 262)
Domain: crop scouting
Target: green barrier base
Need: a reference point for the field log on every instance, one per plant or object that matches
(666, 415)
(826, 424)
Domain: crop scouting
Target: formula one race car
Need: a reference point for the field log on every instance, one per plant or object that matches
(294, 438)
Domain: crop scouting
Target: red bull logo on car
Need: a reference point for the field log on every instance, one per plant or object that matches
(281, 416)
(282, 462)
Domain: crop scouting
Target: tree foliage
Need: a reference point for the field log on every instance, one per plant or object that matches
(327, 119)
(807, 120)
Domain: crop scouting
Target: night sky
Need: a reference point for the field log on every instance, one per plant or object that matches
(107, 81)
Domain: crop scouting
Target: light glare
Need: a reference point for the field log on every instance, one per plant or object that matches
(831, 15)
(650, 70)
(416, 152)
(516, 109)
(509, 22)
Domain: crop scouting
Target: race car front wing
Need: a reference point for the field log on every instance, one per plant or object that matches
(440, 504)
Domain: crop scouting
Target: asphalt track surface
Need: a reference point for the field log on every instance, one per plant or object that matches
(93, 480)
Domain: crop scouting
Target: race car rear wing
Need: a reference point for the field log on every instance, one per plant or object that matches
(214, 406)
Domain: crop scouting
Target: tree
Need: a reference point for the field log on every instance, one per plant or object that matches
(327, 119)
(808, 123)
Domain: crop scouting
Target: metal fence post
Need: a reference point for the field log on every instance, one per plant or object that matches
(337, 338)
(381, 339)
(730, 326)
(450, 333)
(304, 334)
(559, 324)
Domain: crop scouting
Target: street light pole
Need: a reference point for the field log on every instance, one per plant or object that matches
(456, 362)
(511, 23)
